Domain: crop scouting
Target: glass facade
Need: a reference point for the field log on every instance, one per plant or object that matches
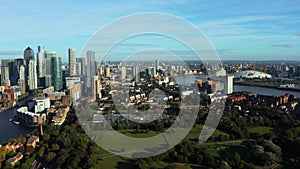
(56, 73)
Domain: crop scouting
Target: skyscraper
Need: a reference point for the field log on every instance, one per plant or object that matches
(72, 61)
(156, 66)
(107, 71)
(228, 84)
(21, 81)
(137, 74)
(123, 76)
(5, 76)
(28, 54)
(32, 75)
(41, 61)
(90, 68)
(56, 73)
(82, 64)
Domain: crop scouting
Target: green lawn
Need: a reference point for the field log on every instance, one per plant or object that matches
(140, 134)
(261, 130)
(196, 130)
(112, 161)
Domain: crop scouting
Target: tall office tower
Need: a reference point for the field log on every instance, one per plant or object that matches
(21, 81)
(28, 54)
(81, 62)
(72, 61)
(228, 84)
(78, 69)
(32, 75)
(123, 71)
(22, 72)
(5, 76)
(41, 61)
(137, 74)
(107, 71)
(90, 68)
(13, 73)
(48, 68)
(97, 87)
(56, 74)
(156, 66)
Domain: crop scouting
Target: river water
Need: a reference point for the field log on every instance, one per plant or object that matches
(264, 91)
(9, 129)
(188, 80)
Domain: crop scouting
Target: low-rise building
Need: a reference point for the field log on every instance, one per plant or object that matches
(60, 115)
(32, 141)
(30, 118)
(14, 160)
(13, 146)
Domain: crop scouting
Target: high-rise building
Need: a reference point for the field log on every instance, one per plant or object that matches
(32, 75)
(5, 76)
(156, 67)
(123, 71)
(72, 61)
(28, 54)
(97, 87)
(41, 70)
(78, 69)
(82, 68)
(56, 74)
(137, 74)
(107, 71)
(21, 81)
(90, 68)
(48, 69)
(228, 84)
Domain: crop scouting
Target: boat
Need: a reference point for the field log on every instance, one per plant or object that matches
(16, 122)
(10, 119)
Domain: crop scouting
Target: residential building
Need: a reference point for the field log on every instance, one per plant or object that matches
(72, 61)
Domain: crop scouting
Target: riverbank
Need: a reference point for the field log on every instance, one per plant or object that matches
(266, 86)
(8, 129)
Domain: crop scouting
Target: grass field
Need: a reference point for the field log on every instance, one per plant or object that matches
(196, 130)
(261, 130)
(110, 160)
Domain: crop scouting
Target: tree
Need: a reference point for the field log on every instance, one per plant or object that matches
(142, 164)
(50, 156)
(55, 147)
(46, 137)
(3, 152)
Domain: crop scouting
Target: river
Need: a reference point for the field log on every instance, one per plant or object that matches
(9, 129)
(264, 91)
(188, 80)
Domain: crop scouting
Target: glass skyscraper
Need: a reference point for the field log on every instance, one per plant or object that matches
(56, 73)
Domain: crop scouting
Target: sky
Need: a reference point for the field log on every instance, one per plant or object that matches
(239, 30)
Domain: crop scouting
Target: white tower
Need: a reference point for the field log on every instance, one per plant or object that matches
(229, 84)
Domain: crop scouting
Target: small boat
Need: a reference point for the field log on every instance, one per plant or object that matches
(16, 122)
(10, 119)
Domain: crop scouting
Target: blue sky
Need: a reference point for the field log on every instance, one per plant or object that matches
(239, 30)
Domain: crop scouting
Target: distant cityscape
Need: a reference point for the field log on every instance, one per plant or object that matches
(41, 91)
